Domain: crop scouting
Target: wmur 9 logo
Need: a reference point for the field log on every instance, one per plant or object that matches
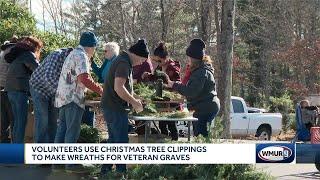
(275, 153)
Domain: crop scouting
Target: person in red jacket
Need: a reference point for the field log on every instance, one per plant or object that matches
(165, 64)
(172, 69)
(139, 70)
(187, 74)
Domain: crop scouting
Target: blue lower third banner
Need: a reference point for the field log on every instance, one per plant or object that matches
(275, 153)
(11, 153)
(140, 153)
(159, 153)
(308, 153)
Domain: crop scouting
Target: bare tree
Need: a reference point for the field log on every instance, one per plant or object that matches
(43, 16)
(163, 21)
(23, 3)
(123, 25)
(205, 7)
(168, 10)
(74, 18)
(219, 57)
(227, 40)
(55, 10)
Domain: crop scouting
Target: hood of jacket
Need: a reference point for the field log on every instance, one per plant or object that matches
(16, 51)
(208, 67)
(205, 66)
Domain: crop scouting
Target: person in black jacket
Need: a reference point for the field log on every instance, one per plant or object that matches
(200, 90)
(6, 116)
(23, 60)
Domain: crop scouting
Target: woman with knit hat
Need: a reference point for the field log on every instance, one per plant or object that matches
(200, 90)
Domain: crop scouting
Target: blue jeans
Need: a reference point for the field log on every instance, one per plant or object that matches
(200, 127)
(69, 122)
(19, 105)
(6, 118)
(46, 116)
(117, 125)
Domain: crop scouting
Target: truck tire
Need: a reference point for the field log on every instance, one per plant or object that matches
(264, 133)
(317, 161)
(317, 166)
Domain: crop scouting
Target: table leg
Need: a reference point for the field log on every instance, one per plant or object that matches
(158, 130)
(147, 131)
(189, 124)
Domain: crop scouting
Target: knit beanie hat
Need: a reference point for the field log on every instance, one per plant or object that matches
(88, 39)
(196, 49)
(140, 48)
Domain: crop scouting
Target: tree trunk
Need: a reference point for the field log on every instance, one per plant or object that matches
(298, 15)
(311, 77)
(133, 21)
(227, 40)
(221, 62)
(62, 25)
(124, 38)
(163, 21)
(204, 10)
(30, 5)
(55, 26)
(44, 20)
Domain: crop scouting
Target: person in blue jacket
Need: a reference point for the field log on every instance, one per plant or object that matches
(111, 51)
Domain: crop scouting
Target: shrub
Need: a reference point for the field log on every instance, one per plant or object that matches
(89, 134)
(197, 171)
(15, 20)
(52, 41)
(292, 122)
(200, 171)
(284, 105)
(217, 129)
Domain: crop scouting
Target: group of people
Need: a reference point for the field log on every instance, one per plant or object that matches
(57, 87)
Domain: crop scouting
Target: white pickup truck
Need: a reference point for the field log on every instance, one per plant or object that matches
(243, 123)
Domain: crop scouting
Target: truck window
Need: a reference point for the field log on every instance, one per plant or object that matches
(237, 106)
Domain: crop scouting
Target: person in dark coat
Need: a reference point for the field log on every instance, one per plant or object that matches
(200, 90)
(23, 59)
(6, 112)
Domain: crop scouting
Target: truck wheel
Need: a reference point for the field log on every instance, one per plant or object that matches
(318, 166)
(264, 133)
(317, 161)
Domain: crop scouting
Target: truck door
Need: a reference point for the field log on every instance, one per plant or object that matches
(239, 118)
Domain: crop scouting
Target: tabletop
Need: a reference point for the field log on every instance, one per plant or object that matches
(153, 118)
